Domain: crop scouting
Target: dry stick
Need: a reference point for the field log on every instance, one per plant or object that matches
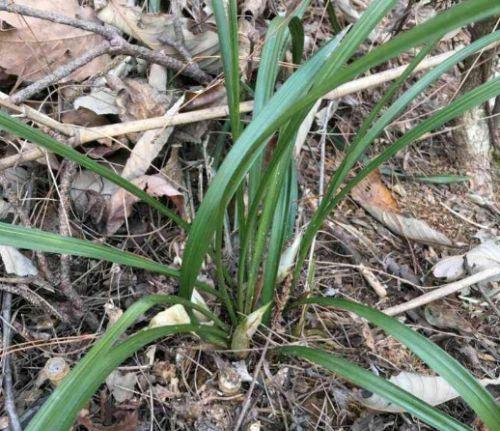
(66, 287)
(92, 133)
(443, 291)
(84, 135)
(10, 405)
(32, 297)
(14, 200)
(117, 44)
(248, 396)
(60, 73)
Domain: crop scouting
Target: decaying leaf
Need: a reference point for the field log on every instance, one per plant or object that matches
(433, 390)
(89, 193)
(485, 255)
(121, 385)
(245, 330)
(137, 99)
(148, 28)
(148, 147)
(177, 314)
(100, 100)
(31, 48)
(410, 228)
(16, 263)
(287, 259)
(174, 315)
(128, 423)
(377, 200)
(120, 205)
(254, 7)
(373, 191)
(442, 316)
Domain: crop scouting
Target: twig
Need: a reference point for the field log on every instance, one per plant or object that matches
(83, 135)
(13, 199)
(32, 297)
(10, 405)
(115, 44)
(443, 291)
(93, 133)
(66, 287)
(60, 73)
(248, 396)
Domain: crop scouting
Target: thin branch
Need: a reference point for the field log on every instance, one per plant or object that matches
(10, 405)
(105, 31)
(115, 44)
(60, 73)
(83, 134)
(66, 286)
(443, 291)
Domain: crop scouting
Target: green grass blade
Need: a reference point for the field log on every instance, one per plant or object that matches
(378, 385)
(38, 240)
(297, 33)
(356, 151)
(431, 179)
(18, 128)
(227, 29)
(332, 17)
(236, 165)
(35, 239)
(59, 412)
(290, 99)
(477, 397)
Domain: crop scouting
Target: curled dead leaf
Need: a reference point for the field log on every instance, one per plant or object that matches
(119, 207)
(148, 28)
(377, 200)
(16, 263)
(32, 49)
(434, 390)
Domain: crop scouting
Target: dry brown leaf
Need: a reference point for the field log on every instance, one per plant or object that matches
(434, 390)
(148, 147)
(15, 262)
(121, 385)
(89, 193)
(376, 199)
(128, 423)
(148, 28)
(409, 228)
(32, 48)
(373, 191)
(138, 100)
(205, 97)
(120, 204)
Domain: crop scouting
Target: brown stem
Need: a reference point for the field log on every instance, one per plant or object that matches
(115, 45)
(64, 229)
(60, 73)
(10, 406)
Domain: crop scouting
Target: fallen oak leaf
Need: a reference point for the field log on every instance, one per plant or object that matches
(128, 423)
(377, 200)
(120, 205)
(434, 390)
(31, 48)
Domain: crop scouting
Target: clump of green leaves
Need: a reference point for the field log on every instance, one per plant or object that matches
(261, 197)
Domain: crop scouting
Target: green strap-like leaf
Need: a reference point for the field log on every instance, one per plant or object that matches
(227, 29)
(60, 410)
(18, 128)
(477, 397)
(378, 385)
(38, 240)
